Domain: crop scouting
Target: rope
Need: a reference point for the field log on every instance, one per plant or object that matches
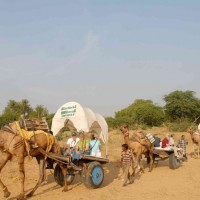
(22, 133)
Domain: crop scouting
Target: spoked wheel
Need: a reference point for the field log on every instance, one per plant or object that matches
(94, 176)
(59, 178)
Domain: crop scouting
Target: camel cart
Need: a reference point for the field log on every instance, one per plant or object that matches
(164, 154)
(81, 119)
(92, 176)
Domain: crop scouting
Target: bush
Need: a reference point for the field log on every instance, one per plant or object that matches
(179, 126)
(144, 127)
(142, 112)
(118, 121)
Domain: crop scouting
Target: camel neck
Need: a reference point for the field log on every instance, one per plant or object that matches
(126, 138)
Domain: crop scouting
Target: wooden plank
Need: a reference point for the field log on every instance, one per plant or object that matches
(94, 158)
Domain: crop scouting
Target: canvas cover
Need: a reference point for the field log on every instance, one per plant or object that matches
(79, 118)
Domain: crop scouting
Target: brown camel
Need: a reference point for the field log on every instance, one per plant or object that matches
(139, 146)
(12, 144)
(195, 136)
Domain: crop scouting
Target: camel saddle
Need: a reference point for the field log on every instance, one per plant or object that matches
(27, 135)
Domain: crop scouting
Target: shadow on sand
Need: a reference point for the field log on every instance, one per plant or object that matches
(111, 172)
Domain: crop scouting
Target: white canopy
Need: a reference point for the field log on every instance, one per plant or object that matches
(79, 118)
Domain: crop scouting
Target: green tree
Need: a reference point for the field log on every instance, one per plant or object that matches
(142, 112)
(17, 108)
(116, 122)
(13, 110)
(49, 119)
(7, 118)
(40, 111)
(182, 105)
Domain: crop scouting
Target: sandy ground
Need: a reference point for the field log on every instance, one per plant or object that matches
(163, 183)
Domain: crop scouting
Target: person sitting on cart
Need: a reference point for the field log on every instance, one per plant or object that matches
(72, 142)
(70, 146)
(95, 146)
(82, 146)
(157, 141)
(165, 141)
(177, 153)
(171, 140)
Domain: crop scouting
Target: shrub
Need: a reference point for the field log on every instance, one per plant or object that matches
(179, 126)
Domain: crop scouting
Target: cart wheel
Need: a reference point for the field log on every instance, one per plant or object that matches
(174, 163)
(155, 163)
(94, 176)
(59, 178)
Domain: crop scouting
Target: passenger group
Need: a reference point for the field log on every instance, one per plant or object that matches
(79, 145)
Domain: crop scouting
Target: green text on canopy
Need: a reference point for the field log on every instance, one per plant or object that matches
(69, 111)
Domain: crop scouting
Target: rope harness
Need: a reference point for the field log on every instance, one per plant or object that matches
(26, 136)
(8, 129)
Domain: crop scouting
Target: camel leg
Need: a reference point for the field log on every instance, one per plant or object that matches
(4, 159)
(21, 176)
(41, 162)
(135, 165)
(141, 165)
(194, 151)
(64, 171)
(131, 176)
(151, 162)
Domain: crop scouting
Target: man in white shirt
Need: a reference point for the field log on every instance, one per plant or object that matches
(71, 142)
(171, 140)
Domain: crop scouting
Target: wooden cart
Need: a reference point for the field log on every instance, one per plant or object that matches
(164, 154)
(92, 176)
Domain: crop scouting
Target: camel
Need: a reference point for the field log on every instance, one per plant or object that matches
(139, 146)
(195, 136)
(12, 144)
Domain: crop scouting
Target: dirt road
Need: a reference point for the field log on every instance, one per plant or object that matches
(163, 183)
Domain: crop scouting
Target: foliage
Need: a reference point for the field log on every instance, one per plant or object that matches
(7, 118)
(182, 108)
(179, 126)
(49, 119)
(182, 105)
(14, 109)
(116, 122)
(142, 112)
(40, 111)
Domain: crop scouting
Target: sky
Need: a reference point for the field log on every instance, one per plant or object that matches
(104, 54)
